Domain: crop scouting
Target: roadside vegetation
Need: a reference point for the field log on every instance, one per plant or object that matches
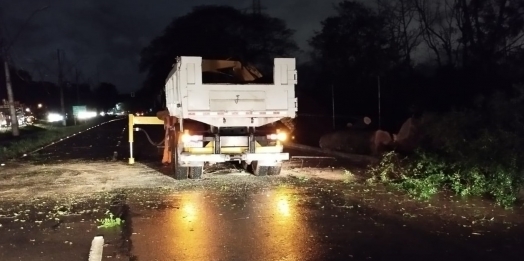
(37, 136)
(471, 152)
(109, 221)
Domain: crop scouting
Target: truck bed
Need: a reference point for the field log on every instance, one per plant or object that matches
(231, 105)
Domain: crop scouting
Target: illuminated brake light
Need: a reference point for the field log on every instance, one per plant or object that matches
(186, 137)
(282, 136)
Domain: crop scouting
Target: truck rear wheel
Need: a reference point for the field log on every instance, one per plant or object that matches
(245, 166)
(261, 171)
(274, 170)
(195, 172)
(265, 170)
(179, 172)
(258, 170)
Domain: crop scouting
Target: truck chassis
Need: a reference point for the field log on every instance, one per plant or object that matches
(260, 152)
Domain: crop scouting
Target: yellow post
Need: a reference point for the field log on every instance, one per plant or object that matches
(130, 129)
(166, 158)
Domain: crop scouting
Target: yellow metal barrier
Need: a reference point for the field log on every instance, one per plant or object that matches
(143, 120)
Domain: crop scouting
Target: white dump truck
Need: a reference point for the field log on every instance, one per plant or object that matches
(239, 118)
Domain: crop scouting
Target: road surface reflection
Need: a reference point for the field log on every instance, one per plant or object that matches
(280, 230)
(213, 226)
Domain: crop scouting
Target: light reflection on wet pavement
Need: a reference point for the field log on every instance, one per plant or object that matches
(206, 226)
(286, 224)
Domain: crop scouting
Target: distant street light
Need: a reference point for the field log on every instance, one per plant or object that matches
(39, 105)
(27, 110)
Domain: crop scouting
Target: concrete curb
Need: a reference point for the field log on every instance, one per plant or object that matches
(97, 248)
(355, 158)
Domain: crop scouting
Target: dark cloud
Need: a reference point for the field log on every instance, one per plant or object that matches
(107, 35)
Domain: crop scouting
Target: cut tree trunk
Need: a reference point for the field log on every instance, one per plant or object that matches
(408, 137)
(357, 141)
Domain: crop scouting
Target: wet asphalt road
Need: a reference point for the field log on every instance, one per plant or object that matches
(290, 221)
(298, 223)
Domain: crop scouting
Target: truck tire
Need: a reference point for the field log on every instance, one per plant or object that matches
(196, 172)
(259, 170)
(245, 166)
(274, 170)
(179, 172)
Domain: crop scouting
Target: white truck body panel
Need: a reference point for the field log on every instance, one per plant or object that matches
(231, 105)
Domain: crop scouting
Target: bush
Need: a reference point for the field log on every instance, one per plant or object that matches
(474, 151)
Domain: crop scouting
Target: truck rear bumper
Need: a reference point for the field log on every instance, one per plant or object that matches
(269, 158)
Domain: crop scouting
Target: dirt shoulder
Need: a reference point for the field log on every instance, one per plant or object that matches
(23, 181)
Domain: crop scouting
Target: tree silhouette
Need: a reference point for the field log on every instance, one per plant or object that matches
(352, 49)
(216, 32)
(355, 40)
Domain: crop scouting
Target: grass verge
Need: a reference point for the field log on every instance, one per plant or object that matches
(37, 136)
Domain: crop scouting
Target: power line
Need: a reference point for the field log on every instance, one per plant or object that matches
(257, 8)
(61, 85)
(5, 51)
(5, 30)
(23, 27)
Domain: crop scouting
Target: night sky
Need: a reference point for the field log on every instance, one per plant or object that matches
(109, 34)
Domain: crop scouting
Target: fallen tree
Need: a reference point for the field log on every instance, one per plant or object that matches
(358, 141)
(475, 152)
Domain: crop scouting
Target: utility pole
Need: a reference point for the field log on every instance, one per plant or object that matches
(77, 92)
(61, 85)
(77, 87)
(333, 104)
(10, 97)
(97, 75)
(257, 8)
(379, 109)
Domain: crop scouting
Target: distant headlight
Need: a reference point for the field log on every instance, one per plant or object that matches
(86, 115)
(54, 117)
